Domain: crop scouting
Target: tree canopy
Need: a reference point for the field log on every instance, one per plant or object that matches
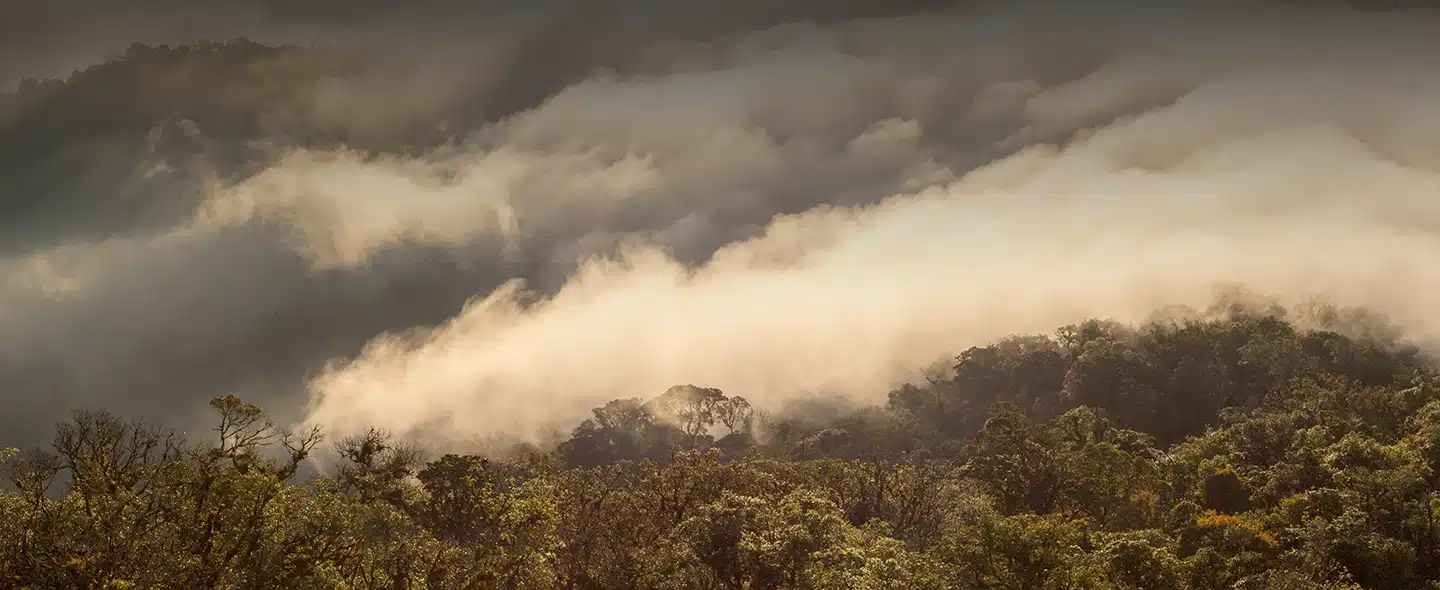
(1241, 451)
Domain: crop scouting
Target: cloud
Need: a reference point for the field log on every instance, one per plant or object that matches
(1270, 162)
(145, 283)
(773, 207)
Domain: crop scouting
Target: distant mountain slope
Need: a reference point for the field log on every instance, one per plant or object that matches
(128, 143)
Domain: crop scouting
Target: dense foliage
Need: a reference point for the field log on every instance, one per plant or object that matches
(1233, 452)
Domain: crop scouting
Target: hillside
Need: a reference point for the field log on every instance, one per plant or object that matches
(129, 144)
(1235, 452)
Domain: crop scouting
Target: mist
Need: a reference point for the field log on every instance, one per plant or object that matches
(775, 207)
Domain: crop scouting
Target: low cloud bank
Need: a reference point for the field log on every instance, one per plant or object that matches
(821, 208)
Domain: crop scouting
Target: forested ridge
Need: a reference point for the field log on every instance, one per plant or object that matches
(1234, 451)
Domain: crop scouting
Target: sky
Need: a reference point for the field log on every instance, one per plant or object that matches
(815, 198)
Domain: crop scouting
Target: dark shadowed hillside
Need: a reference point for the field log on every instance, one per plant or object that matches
(130, 145)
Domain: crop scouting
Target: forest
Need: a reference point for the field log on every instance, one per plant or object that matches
(1234, 449)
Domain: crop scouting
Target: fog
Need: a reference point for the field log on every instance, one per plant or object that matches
(779, 210)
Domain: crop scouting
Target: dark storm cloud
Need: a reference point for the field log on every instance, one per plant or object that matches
(775, 133)
(163, 319)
